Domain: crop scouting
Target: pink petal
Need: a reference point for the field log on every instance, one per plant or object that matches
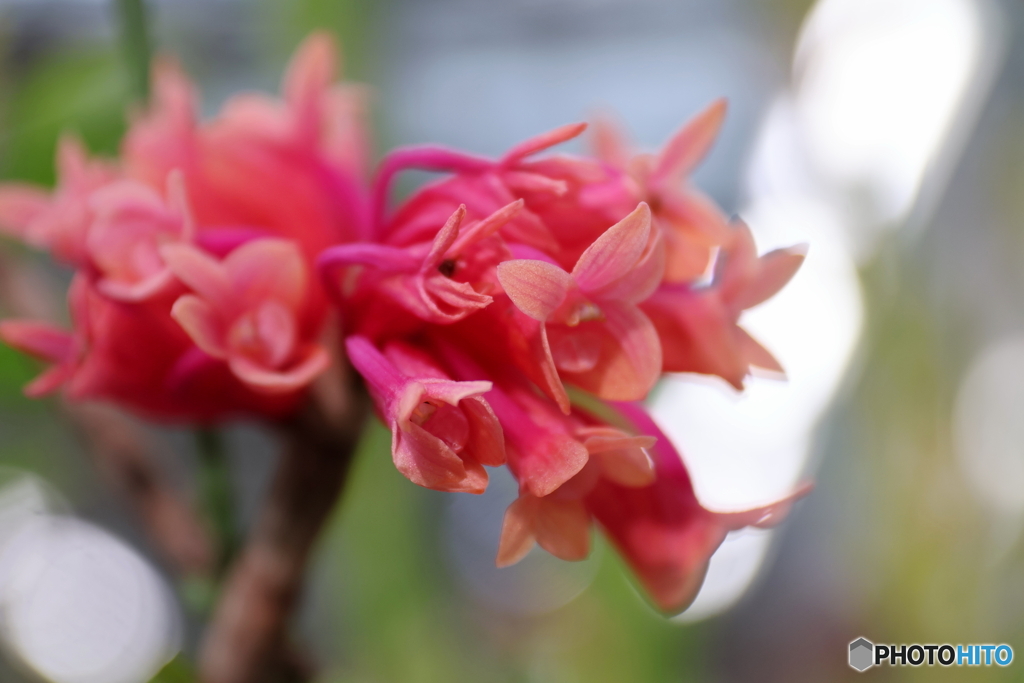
(486, 439)
(609, 143)
(482, 229)
(380, 256)
(543, 141)
(49, 381)
(630, 361)
(276, 331)
(690, 144)
(537, 288)
(562, 527)
(517, 537)
(446, 236)
(270, 381)
(522, 183)
(623, 459)
(427, 461)
(553, 460)
(422, 157)
(643, 279)
(695, 213)
(775, 269)
(448, 301)
(20, 204)
(756, 355)
(42, 340)
(308, 76)
(615, 253)
(380, 373)
(202, 324)
(200, 272)
(574, 349)
(267, 269)
(139, 290)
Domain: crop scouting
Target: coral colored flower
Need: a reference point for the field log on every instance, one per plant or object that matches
(442, 432)
(664, 533)
(132, 222)
(598, 338)
(699, 327)
(249, 310)
(136, 354)
(59, 222)
(292, 169)
(690, 221)
(560, 522)
(440, 282)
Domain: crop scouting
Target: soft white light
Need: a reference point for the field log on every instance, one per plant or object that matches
(988, 426)
(880, 85)
(76, 604)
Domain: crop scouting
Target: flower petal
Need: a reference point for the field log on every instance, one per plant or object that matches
(517, 537)
(269, 381)
(202, 323)
(199, 271)
(630, 361)
(614, 254)
(562, 527)
(690, 144)
(537, 288)
(543, 141)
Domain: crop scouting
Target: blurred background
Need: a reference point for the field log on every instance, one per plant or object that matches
(886, 134)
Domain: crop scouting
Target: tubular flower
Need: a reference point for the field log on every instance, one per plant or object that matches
(443, 432)
(483, 312)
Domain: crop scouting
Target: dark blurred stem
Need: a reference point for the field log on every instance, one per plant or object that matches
(246, 641)
(136, 44)
(217, 494)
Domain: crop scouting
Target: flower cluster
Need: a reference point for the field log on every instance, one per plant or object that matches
(514, 312)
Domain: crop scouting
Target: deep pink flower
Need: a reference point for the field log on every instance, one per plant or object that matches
(699, 327)
(442, 432)
(57, 222)
(692, 224)
(598, 338)
(251, 311)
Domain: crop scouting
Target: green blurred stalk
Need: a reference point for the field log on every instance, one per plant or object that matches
(135, 41)
(217, 495)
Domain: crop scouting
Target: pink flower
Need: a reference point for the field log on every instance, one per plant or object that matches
(309, 148)
(131, 224)
(251, 311)
(442, 432)
(440, 282)
(699, 327)
(598, 338)
(59, 222)
(664, 533)
(136, 354)
(690, 221)
(560, 522)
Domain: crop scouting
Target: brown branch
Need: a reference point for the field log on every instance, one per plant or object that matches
(123, 453)
(245, 640)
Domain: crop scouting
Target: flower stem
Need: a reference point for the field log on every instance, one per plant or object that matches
(246, 638)
(217, 495)
(135, 41)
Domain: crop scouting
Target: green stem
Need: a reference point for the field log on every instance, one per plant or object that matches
(135, 42)
(217, 495)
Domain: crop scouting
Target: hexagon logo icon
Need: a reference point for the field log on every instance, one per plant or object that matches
(862, 654)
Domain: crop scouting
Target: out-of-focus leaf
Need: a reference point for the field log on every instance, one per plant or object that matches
(83, 92)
